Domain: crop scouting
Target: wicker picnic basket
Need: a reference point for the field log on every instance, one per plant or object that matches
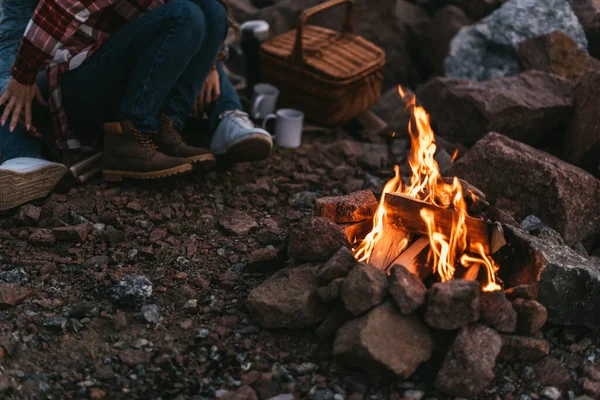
(331, 76)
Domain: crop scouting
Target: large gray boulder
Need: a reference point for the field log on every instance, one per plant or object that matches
(487, 49)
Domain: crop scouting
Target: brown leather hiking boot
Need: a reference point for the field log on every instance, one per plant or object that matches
(170, 142)
(129, 153)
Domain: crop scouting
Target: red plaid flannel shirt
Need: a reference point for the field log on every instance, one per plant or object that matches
(61, 35)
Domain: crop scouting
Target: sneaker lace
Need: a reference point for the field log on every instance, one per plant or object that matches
(145, 140)
(239, 117)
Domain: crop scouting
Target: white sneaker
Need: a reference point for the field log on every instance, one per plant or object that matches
(237, 139)
(24, 179)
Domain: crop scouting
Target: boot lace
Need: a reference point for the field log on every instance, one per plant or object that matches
(145, 140)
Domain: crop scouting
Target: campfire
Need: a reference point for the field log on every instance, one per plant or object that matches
(429, 207)
(423, 259)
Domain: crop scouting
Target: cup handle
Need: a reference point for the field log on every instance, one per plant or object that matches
(256, 106)
(267, 119)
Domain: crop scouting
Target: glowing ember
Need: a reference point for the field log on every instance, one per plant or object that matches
(426, 184)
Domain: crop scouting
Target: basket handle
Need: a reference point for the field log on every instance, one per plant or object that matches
(348, 27)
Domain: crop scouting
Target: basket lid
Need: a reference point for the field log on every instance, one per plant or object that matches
(338, 56)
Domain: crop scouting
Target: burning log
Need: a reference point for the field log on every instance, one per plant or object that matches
(405, 212)
(415, 259)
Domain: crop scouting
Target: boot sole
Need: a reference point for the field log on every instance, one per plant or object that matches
(17, 188)
(116, 175)
(252, 148)
(202, 163)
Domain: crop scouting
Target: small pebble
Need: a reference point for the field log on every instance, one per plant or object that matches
(551, 393)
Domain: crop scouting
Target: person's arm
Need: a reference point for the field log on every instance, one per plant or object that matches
(52, 23)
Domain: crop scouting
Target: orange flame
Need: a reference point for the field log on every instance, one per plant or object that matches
(426, 184)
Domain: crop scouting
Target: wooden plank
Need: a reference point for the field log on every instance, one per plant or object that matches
(392, 242)
(405, 213)
(414, 259)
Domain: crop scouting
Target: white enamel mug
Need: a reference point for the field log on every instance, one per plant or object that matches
(264, 100)
(288, 127)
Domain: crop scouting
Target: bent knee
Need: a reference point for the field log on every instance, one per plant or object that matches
(215, 14)
(189, 15)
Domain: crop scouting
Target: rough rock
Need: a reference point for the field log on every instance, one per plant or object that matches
(288, 299)
(74, 234)
(469, 365)
(42, 237)
(527, 292)
(555, 53)
(487, 49)
(569, 284)
(373, 156)
(591, 388)
(453, 304)
(393, 25)
(338, 266)
(237, 223)
(497, 311)
(523, 348)
(133, 357)
(130, 290)
(391, 108)
(407, 290)
(150, 313)
(14, 275)
(548, 191)
(528, 107)
(531, 316)
(265, 260)
(316, 239)
(365, 342)
(588, 12)
(477, 9)
(243, 393)
(550, 371)
(333, 322)
(446, 22)
(12, 294)
(364, 288)
(28, 215)
(357, 231)
(332, 291)
(582, 138)
(355, 207)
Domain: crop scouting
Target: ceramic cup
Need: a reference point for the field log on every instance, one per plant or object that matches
(264, 100)
(288, 127)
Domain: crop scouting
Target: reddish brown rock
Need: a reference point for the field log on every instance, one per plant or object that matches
(551, 372)
(555, 53)
(365, 342)
(453, 304)
(591, 371)
(288, 299)
(28, 215)
(364, 288)
(547, 192)
(42, 237)
(332, 291)
(527, 292)
(243, 393)
(582, 138)
(134, 357)
(407, 289)
(316, 239)
(74, 234)
(446, 22)
(591, 388)
(265, 260)
(357, 231)
(523, 348)
(237, 223)
(355, 207)
(12, 294)
(334, 321)
(497, 311)
(531, 315)
(539, 105)
(588, 13)
(338, 266)
(469, 365)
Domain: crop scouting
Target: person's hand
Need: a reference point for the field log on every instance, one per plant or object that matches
(211, 91)
(17, 99)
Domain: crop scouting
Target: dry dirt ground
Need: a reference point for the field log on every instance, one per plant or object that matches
(193, 238)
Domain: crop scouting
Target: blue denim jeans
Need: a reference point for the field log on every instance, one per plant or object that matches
(156, 63)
